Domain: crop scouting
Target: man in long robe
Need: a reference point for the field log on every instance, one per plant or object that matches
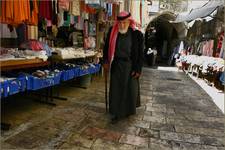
(123, 57)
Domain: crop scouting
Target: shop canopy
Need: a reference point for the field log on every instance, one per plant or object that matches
(204, 11)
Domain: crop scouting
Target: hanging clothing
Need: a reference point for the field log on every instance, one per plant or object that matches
(181, 47)
(115, 10)
(135, 10)
(60, 18)
(55, 12)
(92, 29)
(86, 8)
(64, 4)
(92, 2)
(207, 49)
(33, 19)
(6, 33)
(21, 31)
(210, 48)
(45, 9)
(109, 9)
(15, 12)
(219, 44)
(222, 50)
(220, 40)
(80, 24)
(66, 19)
(32, 32)
(86, 29)
(204, 48)
(74, 8)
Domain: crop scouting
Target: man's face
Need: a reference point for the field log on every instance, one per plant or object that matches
(124, 25)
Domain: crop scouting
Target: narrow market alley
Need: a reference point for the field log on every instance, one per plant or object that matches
(175, 114)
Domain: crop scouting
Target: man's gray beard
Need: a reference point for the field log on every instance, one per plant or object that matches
(123, 31)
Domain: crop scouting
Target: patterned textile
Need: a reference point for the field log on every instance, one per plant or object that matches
(75, 8)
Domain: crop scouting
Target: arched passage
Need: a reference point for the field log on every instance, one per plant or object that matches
(163, 35)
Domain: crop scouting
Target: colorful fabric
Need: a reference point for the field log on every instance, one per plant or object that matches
(45, 8)
(86, 8)
(32, 32)
(75, 8)
(64, 4)
(15, 12)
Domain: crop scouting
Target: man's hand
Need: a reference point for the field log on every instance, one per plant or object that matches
(135, 74)
(106, 67)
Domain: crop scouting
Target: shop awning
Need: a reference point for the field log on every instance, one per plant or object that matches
(201, 12)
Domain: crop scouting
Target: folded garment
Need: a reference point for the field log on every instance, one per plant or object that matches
(39, 74)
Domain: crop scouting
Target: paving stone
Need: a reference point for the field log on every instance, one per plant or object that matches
(132, 130)
(220, 148)
(26, 141)
(136, 117)
(162, 127)
(207, 119)
(93, 115)
(102, 133)
(200, 131)
(170, 111)
(147, 133)
(44, 131)
(180, 137)
(82, 141)
(158, 119)
(157, 109)
(141, 148)
(6, 146)
(159, 105)
(207, 140)
(82, 125)
(69, 117)
(100, 144)
(188, 111)
(159, 114)
(189, 146)
(125, 127)
(71, 147)
(147, 113)
(134, 140)
(144, 97)
(176, 116)
(149, 104)
(101, 122)
(142, 124)
(162, 94)
(140, 110)
(158, 144)
(53, 123)
(97, 107)
(198, 124)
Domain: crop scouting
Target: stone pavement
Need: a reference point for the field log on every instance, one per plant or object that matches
(176, 114)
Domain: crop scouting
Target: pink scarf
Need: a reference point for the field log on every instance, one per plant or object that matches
(114, 33)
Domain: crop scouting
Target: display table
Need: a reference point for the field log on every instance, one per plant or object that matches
(22, 63)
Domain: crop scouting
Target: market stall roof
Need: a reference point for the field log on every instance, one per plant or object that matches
(201, 12)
